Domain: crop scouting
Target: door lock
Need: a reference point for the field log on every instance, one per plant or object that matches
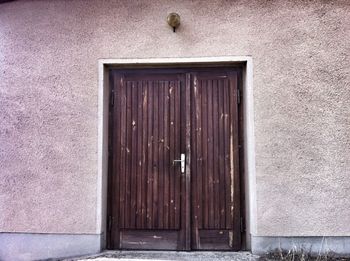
(182, 162)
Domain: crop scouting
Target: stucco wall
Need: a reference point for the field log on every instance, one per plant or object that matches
(49, 90)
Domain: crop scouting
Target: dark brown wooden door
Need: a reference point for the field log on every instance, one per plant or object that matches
(155, 116)
(147, 188)
(214, 161)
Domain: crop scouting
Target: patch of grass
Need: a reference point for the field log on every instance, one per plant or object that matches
(300, 254)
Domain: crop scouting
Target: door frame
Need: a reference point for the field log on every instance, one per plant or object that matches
(248, 191)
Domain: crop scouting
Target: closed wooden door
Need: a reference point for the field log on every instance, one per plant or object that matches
(155, 200)
(214, 161)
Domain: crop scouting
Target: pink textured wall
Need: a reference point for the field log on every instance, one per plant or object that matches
(48, 102)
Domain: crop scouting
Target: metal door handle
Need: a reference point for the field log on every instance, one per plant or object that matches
(182, 161)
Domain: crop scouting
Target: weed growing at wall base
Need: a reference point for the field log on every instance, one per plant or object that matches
(300, 253)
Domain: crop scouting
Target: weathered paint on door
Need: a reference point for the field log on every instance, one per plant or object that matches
(214, 145)
(157, 114)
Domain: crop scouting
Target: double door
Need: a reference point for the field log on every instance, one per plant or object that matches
(174, 159)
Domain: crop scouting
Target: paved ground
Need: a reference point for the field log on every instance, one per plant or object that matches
(167, 256)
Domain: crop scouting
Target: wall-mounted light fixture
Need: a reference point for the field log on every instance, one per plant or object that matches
(173, 20)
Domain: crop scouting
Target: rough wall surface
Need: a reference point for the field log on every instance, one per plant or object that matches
(48, 100)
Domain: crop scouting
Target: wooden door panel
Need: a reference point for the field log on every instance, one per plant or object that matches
(146, 140)
(149, 239)
(156, 102)
(214, 167)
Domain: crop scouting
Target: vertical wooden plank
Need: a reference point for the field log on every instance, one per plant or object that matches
(210, 155)
(145, 152)
(134, 163)
(180, 96)
(199, 148)
(119, 87)
(128, 155)
(155, 153)
(160, 145)
(172, 143)
(221, 149)
(139, 179)
(235, 209)
(177, 151)
(215, 127)
(242, 200)
(166, 166)
(205, 155)
(187, 118)
(196, 165)
(150, 114)
(123, 138)
(227, 155)
(112, 190)
(193, 167)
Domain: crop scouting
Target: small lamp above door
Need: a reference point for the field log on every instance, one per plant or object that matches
(173, 20)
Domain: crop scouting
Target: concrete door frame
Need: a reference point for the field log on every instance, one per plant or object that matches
(248, 111)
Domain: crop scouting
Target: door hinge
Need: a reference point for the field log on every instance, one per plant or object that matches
(238, 96)
(109, 222)
(111, 99)
(242, 225)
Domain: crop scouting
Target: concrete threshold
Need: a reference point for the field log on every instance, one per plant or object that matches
(167, 256)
